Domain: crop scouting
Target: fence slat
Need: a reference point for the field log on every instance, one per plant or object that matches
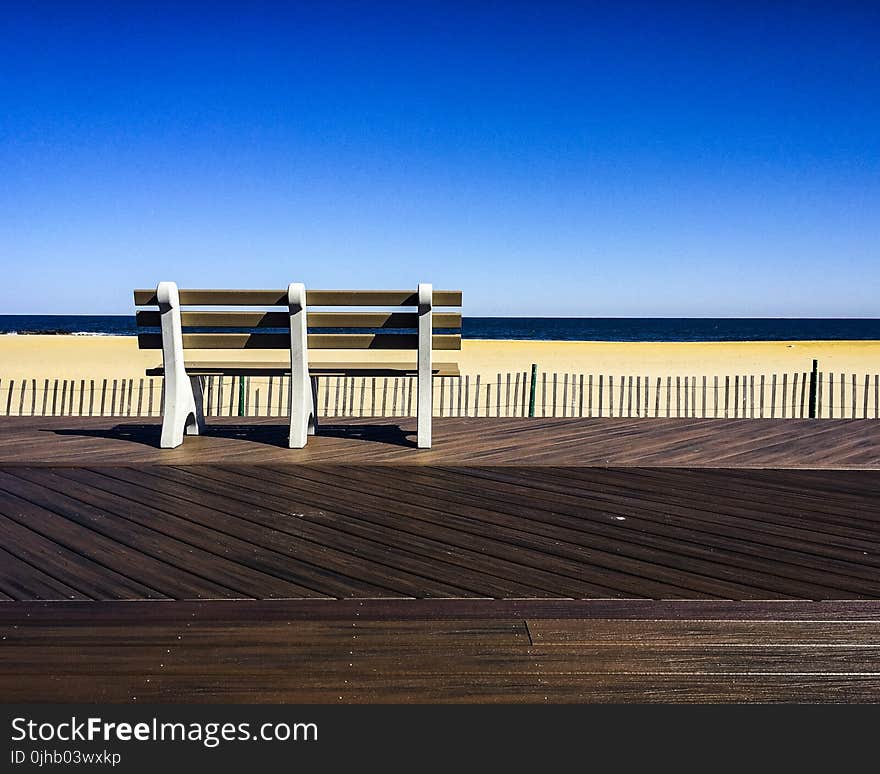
(9, 391)
(543, 395)
(751, 396)
(876, 396)
(853, 396)
(564, 395)
(581, 395)
(803, 393)
(761, 414)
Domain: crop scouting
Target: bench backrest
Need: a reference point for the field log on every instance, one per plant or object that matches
(389, 329)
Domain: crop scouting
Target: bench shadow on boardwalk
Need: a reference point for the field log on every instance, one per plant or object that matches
(517, 560)
(274, 434)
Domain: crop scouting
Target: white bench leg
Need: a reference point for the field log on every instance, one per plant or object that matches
(195, 425)
(302, 401)
(182, 405)
(424, 405)
(181, 410)
(302, 415)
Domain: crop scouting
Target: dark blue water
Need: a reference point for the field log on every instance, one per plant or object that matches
(540, 328)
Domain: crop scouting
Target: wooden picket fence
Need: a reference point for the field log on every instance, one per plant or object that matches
(505, 395)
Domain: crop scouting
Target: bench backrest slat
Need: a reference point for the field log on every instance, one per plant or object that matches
(313, 298)
(384, 320)
(316, 341)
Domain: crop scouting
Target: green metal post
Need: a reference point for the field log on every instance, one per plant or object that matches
(241, 391)
(532, 389)
(814, 380)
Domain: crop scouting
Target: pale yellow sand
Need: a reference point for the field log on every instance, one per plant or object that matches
(93, 357)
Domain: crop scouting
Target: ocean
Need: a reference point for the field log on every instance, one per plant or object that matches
(539, 328)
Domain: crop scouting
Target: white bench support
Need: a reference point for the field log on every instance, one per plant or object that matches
(302, 400)
(424, 406)
(182, 405)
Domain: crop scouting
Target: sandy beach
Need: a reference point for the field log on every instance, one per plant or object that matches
(90, 357)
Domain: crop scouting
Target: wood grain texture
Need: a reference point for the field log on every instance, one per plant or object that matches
(223, 319)
(193, 297)
(235, 530)
(274, 368)
(460, 651)
(468, 441)
(397, 341)
(723, 561)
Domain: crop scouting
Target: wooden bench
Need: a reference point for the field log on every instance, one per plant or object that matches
(299, 331)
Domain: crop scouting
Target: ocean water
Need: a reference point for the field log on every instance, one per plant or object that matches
(538, 328)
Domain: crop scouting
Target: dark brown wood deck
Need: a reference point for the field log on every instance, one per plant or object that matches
(440, 651)
(693, 443)
(686, 560)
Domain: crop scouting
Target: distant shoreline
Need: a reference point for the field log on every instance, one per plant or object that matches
(129, 336)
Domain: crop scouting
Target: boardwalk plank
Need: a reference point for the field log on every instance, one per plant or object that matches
(474, 651)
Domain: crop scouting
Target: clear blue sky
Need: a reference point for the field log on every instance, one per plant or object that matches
(546, 158)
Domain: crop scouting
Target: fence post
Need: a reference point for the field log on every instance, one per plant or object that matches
(532, 388)
(814, 378)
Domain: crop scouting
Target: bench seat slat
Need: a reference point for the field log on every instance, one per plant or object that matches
(147, 297)
(239, 368)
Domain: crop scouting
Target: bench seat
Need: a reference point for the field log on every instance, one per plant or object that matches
(239, 368)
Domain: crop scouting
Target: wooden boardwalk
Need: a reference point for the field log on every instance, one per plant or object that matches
(269, 531)
(461, 441)
(440, 651)
(518, 560)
